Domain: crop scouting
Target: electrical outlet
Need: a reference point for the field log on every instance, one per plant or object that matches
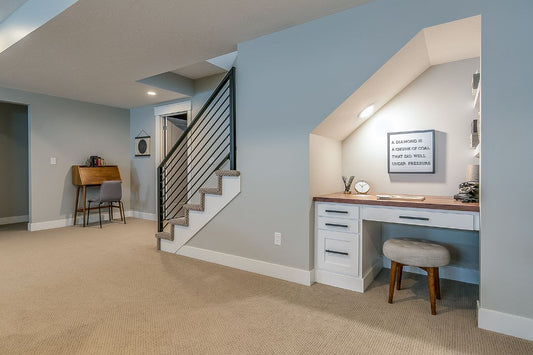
(277, 238)
(53, 161)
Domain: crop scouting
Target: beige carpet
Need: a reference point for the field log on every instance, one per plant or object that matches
(89, 291)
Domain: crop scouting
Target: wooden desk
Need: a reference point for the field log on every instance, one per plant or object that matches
(348, 251)
(83, 176)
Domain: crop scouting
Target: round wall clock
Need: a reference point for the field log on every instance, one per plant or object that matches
(361, 187)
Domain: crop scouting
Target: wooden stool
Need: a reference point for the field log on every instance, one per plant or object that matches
(420, 253)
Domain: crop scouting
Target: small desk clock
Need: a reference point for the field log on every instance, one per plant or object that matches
(361, 187)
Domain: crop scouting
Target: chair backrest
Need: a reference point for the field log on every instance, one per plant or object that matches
(111, 191)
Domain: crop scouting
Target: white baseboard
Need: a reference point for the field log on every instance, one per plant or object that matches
(446, 272)
(142, 215)
(14, 219)
(59, 223)
(283, 272)
(505, 323)
(348, 282)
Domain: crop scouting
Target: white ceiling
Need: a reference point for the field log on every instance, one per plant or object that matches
(440, 44)
(96, 50)
(8, 6)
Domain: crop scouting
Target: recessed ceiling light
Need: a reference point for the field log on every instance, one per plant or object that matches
(367, 112)
(151, 93)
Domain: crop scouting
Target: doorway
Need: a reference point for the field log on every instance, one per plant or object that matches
(14, 178)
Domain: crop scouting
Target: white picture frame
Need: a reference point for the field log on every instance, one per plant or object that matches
(411, 152)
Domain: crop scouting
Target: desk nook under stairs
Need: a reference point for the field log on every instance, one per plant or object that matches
(348, 237)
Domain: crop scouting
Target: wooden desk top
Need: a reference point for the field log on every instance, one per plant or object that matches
(431, 202)
(85, 175)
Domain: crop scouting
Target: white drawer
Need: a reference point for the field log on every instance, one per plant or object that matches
(338, 210)
(419, 217)
(338, 224)
(338, 252)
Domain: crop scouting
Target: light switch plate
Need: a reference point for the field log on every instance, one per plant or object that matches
(53, 161)
(277, 238)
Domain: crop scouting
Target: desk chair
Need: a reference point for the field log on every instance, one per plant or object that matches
(110, 191)
(420, 253)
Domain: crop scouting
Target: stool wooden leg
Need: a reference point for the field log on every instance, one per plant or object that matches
(431, 286)
(393, 267)
(437, 283)
(399, 276)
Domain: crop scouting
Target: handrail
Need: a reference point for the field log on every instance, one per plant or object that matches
(229, 76)
(204, 147)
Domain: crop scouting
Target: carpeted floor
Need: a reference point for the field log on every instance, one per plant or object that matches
(89, 291)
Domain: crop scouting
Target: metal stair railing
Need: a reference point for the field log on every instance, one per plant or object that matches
(204, 147)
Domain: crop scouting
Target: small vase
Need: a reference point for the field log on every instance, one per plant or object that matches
(347, 183)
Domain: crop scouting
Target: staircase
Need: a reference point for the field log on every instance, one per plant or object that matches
(204, 155)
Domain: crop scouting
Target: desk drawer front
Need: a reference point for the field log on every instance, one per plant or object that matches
(420, 217)
(337, 252)
(338, 224)
(338, 210)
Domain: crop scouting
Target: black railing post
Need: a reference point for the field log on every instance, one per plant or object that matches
(160, 201)
(232, 130)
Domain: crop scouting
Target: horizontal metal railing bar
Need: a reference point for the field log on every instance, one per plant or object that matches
(195, 190)
(191, 134)
(191, 153)
(202, 110)
(189, 181)
(171, 177)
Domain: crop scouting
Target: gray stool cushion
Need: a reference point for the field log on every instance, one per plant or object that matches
(416, 252)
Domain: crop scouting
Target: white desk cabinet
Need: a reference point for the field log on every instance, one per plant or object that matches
(348, 251)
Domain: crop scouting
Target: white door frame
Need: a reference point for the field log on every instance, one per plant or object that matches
(159, 113)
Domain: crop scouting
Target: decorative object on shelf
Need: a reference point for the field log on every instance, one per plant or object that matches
(472, 172)
(361, 187)
(474, 134)
(347, 183)
(468, 192)
(94, 161)
(475, 82)
(142, 144)
(411, 152)
(400, 197)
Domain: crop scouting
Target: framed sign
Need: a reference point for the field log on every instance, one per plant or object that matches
(411, 152)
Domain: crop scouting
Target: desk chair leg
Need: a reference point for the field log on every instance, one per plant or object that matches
(399, 276)
(392, 278)
(122, 213)
(437, 283)
(110, 211)
(88, 213)
(431, 286)
(100, 213)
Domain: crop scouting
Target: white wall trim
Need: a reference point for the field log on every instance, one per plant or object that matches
(142, 215)
(172, 108)
(66, 222)
(505, 323)
(14, 219)
(287, 273)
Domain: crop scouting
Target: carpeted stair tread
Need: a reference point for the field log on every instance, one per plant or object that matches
(228, 173)
(182, 221)
(164, 235)
(193, 207)
(210, 191)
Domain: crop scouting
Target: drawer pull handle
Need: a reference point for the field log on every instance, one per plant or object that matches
(416, 218)
(337, 225)
(335, 211)
(336, 252)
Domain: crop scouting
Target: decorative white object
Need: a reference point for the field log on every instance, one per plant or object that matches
(472, 172)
